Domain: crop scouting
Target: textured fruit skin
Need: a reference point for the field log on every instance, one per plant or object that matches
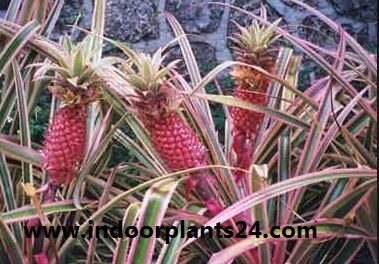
(246, 127)
(180, 148)
(64, 144)
(177, 143)
(247, 120)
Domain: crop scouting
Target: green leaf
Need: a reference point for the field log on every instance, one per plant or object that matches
(70, 242)
(231, 101)
(322, 117)
(327, 228)
(192, 67)
(283, 187)
(27, 169)
(130, 218)
(17, 42)
(103, 200)
(98, 147)
(153, 209)
(6, 106)
(6, 184)
(364, 55)
(7, 191)
(29, 211)
(189, 57)
(360, 149)
(98, 22)
(79, 62)
(259, 173)
(9, 242)
(340, 208)
(52, 18)
(136, 150)
(172, 251)
(331, 132)
(20, 153)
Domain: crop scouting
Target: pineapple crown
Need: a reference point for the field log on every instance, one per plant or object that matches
(145, 72)
(74, 79)
(253, 41)
(152, 83)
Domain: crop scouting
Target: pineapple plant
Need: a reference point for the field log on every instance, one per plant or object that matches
(157, 104)
(327, 187)
(75, 86)
(253, 46)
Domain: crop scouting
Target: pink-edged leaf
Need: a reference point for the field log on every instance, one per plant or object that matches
(153, 209)
(325, 228)
(284, 187)
(20, 153)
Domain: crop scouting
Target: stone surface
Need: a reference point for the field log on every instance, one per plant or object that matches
(372, 29)
(142, 23)
(195, 16)
(316, 31)
(132, 20)
(361, 10)
(74, 12)
(204, 54)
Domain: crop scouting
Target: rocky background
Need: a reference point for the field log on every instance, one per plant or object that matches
(141, 23)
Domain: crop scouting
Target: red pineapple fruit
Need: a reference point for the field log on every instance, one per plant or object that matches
(65, 143)
(75, 85)
(177, 143)
(157, 104)
(251, 46)
(179, 146)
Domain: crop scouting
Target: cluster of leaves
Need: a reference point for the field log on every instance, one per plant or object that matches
(315, 160)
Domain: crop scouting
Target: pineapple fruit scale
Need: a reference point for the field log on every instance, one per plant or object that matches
(65, 143)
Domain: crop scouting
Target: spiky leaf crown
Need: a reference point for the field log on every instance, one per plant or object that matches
(252, 43)
(155, 90)
(145, 72)
(74, 79)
